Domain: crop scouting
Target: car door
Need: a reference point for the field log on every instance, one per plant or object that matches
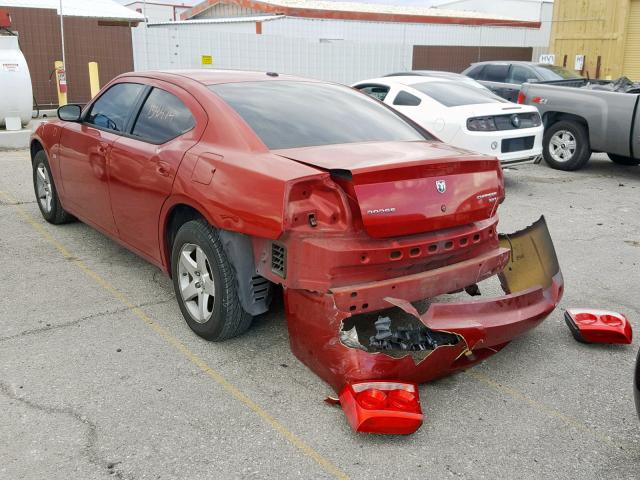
(143, 164)
(84, 149)
(494, 77)
(518, 74)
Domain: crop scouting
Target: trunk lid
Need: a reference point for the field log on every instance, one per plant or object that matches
(402, 188)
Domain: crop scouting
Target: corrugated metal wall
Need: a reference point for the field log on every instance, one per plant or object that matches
(594, 28)
(180, 46)
(631, 66)
(86, 41)
(457, 58)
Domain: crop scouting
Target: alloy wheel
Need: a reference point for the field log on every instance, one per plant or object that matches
(562, 146)
(197, 287)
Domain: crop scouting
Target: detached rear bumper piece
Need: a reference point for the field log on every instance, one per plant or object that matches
(328, 332)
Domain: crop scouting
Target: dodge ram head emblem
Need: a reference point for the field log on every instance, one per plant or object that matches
(441, 186)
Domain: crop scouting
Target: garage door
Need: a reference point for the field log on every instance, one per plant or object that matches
(632, 49)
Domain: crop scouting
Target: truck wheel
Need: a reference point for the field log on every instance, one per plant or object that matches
(46, 193)
(205, 284)
(620, 160)
(566, 145)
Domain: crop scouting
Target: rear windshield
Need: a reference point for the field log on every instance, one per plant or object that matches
(290, 114)
(455, 94)
(551, 72)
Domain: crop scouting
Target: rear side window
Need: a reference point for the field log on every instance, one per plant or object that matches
(455, 94)
(406, 99)
(495, 73)
(112, 110)
(376, 91)
(476, 72)
(162, 118)
(291, 114)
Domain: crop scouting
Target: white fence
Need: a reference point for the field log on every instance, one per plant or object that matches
(171, 47)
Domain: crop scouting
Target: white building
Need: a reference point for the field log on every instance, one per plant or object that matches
(159, 11)
(339, 41)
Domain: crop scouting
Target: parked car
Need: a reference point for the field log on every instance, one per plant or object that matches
(231, 182)
(464, 114)
(579, 121)
(506, 78)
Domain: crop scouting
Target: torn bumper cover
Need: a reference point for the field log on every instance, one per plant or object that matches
(328, 333)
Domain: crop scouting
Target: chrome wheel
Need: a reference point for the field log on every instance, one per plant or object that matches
(562, 146)
(197, 287)
(43, 188)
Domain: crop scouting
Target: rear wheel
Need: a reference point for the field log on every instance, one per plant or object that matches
(205, 284)
(46, 193)
(566, 145)
(621, 160)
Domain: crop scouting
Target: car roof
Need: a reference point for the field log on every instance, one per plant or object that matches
(426, 73)
(511, 62)
(212, 77)
(408, 80)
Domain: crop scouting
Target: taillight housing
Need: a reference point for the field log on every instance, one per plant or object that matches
(316, 204)
(522, 98)
(481, 124)
(386, 407)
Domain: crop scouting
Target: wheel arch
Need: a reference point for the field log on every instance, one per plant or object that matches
(237, 246)
(551, 118)
(34, 147)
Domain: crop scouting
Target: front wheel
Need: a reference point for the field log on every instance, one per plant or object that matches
(46, 192)
(565, 145)
(621, 160)
(205, 284)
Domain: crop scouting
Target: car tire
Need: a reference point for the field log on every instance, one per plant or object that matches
(622, 160)
(565, 145)
(205, 284)
(46, 192)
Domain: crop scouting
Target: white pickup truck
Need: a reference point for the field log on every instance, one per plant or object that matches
(579, 121)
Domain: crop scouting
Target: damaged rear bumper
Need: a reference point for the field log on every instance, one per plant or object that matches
(529, 274)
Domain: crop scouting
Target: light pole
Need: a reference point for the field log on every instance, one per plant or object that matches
(64, 63)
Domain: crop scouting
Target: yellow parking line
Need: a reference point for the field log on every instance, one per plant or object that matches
(216, 376)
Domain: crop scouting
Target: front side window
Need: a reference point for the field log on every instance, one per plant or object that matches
(455, 94)
(520, 74)
(114, 107)
(162, 118)
(292, 114)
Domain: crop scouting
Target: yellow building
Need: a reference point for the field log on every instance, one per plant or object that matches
(605, 32)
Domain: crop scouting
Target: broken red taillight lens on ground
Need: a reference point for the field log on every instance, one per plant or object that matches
(598, 326)
(382, 407)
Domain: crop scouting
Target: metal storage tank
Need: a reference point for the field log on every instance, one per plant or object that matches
(15, 84)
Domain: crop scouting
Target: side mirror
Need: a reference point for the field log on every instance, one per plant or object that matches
(70, 113)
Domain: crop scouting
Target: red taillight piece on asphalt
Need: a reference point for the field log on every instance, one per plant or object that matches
(382, 407)
(598, 326)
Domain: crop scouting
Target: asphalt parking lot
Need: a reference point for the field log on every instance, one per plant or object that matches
(100, 377)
